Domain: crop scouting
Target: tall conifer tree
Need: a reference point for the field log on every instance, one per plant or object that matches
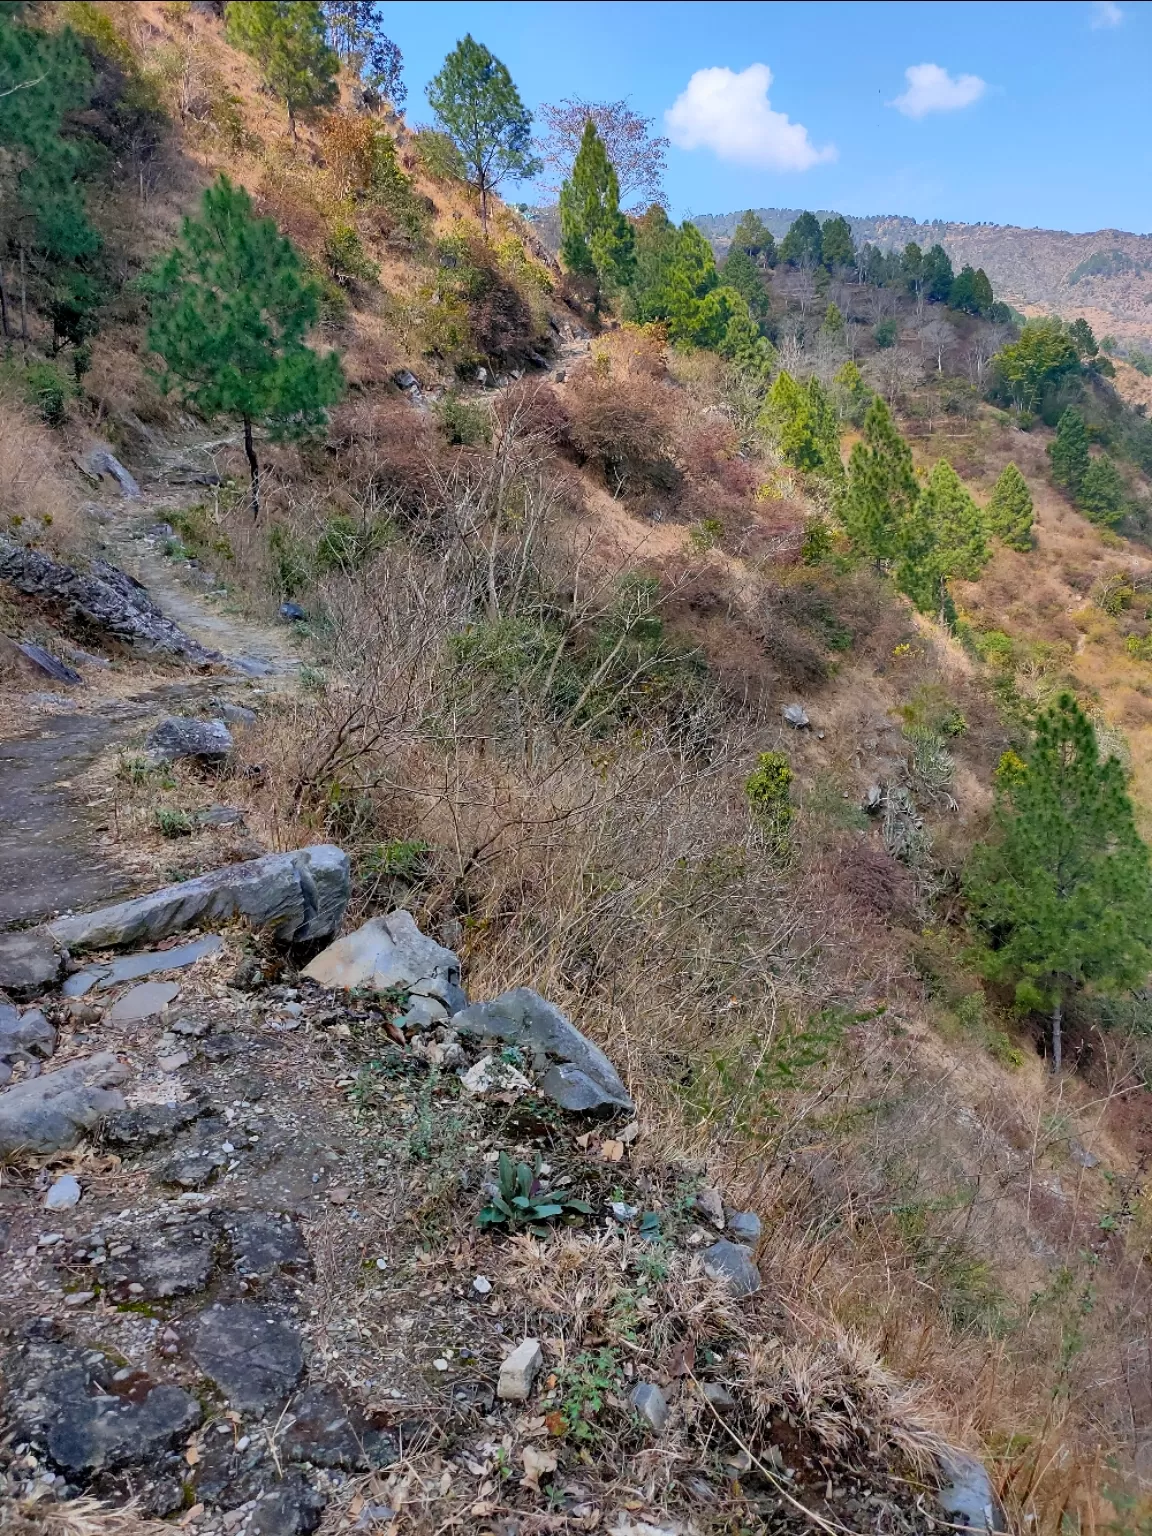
(598, 239)
(1009, 510)
(1062, 894)
(882, 486)
(231, 306)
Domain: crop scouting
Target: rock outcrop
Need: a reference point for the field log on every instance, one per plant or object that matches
(103, 598)
(299, 897)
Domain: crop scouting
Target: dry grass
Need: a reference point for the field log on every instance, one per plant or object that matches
(37, 499)
(78, 1517)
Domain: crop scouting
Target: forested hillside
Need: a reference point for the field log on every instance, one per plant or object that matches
(1104, 277)
(750, 656)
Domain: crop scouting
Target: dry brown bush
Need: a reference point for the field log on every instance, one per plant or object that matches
(623, 425)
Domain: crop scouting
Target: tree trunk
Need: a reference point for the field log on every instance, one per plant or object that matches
(253, 467)
(484, 207)
(292, 124)
(1057, 1036)
(4, 306)
(23, 308)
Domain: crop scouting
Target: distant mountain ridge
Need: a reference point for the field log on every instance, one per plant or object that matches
(1106, 275)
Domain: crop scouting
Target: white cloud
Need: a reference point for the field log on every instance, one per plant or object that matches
(932, 89)
(1106, 13)
(730, 114)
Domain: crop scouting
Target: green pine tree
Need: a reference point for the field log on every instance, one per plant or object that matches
(882, 486)
(287, 38)
(1009, 510)
(943, 538)
(1103, 494)
(657, 240)
(691, 277)
(1062, 895)
(478, 106)
(1081, 335)
(231, 306)
(802, 421)
(803, 245)
(741, 272)
(754, 238)
(597, 238)
(938, 276)
(1068, 451)
(837, 248)
(971, 291)
(43, 75)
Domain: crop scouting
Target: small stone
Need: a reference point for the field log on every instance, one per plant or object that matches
(796, 716)
(519, 1371)
(481, 1285)
(64, 1194)
(718, 1396)
(339, 1196)
(78, 1298)
(624, 1213)
(441, 1365)
(496, 1077)
(651, 1404)
(732, 1262)
(292, 613)
(744, 1226)
(174, 1062)
(709, 1203)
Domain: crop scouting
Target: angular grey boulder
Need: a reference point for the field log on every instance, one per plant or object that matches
(51, 1112)
(390, 952)
(732, 1262)
(26, 1036)
(299, 896)
(969, 1498)
(208, 741)
(30, 962)
(574, 1073)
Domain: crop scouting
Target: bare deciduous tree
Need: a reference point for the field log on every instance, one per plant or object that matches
(937, 337)
(637, 155)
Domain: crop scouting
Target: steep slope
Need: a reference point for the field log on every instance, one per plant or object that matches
(549, 629)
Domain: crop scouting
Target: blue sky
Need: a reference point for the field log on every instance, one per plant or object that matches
(1035, 114)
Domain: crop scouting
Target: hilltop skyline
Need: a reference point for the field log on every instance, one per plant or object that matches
(931, 112)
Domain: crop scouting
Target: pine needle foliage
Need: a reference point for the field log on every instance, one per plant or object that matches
(231, 305)
(1061, 896)
(598, 240)
(882, 486)
(287, 38)
(1009, 510)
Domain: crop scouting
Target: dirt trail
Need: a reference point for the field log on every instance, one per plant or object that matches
(135, 546)
(49, 858)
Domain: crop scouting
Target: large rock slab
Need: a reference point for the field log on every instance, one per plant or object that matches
(67, 1402)
(299, 896)
(253, 1356)
(51, 1112)
(206, 741)
(103, 598)
(146, 963)
(30, 962)
(574, 1072)
(390, 952)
